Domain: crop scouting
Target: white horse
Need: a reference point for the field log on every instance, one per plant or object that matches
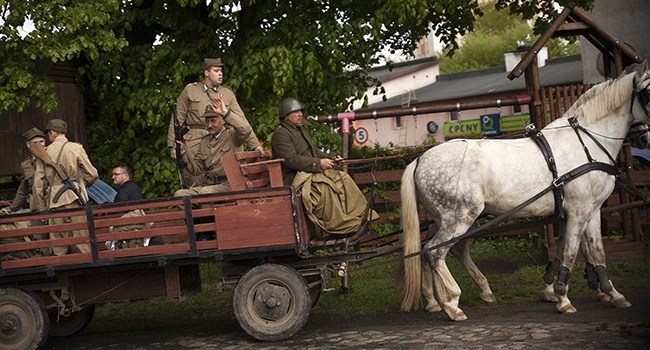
(459, 180)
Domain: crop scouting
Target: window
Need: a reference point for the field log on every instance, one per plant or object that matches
(454, 115)
(516, 109)
(398, 122)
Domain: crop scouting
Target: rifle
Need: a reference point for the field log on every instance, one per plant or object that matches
(179, 132)
(39, 152)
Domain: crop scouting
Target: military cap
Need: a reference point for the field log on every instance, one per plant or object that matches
(209, 112)
(209, 62)
(58, 125)
(33, 132)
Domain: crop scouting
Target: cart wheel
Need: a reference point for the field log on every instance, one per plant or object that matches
(272, 302)
(62, 326)
(23, 320)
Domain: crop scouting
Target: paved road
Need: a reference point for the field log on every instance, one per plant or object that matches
(536, 325)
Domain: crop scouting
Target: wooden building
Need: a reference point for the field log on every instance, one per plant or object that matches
(13, 123)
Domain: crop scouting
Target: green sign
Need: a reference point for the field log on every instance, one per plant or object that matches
(515, 122)
(462, 128)
(477, 127)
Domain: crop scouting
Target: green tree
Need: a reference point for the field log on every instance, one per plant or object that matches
(135, 56)
(496, 33)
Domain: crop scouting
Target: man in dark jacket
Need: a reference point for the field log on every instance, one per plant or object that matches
(331, 198)
(291, 142)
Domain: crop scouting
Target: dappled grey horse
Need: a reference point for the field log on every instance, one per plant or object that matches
(459, 180)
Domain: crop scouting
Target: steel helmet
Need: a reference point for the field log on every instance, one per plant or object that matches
(289, 105)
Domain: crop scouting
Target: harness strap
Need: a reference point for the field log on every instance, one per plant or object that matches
(576, 126)
(547, 152)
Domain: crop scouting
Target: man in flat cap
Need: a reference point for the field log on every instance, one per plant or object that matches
(191, 104)
(24, 196)
(206, 165)
(73, 157)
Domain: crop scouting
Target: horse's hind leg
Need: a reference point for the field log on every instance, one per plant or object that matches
(427, 288)
(447, 288)
(461, 252)
(597, 276)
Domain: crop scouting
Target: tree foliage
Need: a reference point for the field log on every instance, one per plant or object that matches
(135, 57)
(496, 33)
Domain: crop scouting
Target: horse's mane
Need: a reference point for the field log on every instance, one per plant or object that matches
(602, 99)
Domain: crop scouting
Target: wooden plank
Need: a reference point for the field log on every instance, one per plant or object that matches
(256, 225)
(382, 176)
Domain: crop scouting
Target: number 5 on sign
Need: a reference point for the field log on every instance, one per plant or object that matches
(361, 135)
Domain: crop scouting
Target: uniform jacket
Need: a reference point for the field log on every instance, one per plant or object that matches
(206, 165)
(291, 142)
(23, 195)
(191, 105)
(74, 159)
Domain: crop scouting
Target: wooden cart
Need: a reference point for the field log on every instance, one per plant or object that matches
(263, 239)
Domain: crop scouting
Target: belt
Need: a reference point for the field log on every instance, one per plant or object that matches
(213, 180)
(197, 126)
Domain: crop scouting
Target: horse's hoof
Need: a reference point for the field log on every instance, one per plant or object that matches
(434, 308)
(604, 297)
(549, 296)
(488, 298)
(459, 316)
(621, 302)
(567, 309)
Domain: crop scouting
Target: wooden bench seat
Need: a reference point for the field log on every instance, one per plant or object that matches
(252, 169)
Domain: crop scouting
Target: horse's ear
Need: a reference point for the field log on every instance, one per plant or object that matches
(640, 70)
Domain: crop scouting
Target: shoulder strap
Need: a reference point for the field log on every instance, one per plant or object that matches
(49, 188)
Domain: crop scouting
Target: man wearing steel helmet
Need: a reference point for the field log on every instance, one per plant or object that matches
(191, 104)
(331, 198)
(291, 142)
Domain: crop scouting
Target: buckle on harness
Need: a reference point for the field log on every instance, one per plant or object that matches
(556, 184)
(530, 127)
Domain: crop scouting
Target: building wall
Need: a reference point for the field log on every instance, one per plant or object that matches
(625, 19)
(13, 123)
(403, 84)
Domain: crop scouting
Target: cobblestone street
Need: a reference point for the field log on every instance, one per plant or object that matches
(537, 325)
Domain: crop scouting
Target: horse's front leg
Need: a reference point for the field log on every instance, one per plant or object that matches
(561, 267)
(596, 273)
(460, 251)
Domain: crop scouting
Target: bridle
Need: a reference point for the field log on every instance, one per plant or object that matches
(643, 95)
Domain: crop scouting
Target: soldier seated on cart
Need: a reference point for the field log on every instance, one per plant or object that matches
(206, 166)
(336, 204)
(21, 254)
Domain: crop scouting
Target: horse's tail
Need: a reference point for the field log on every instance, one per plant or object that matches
(410, 239)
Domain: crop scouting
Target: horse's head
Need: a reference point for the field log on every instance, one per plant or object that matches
(640, 107)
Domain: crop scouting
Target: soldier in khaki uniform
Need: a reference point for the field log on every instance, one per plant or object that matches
(73, 158)
(206, 165)
(191, 104)
(24, 193)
